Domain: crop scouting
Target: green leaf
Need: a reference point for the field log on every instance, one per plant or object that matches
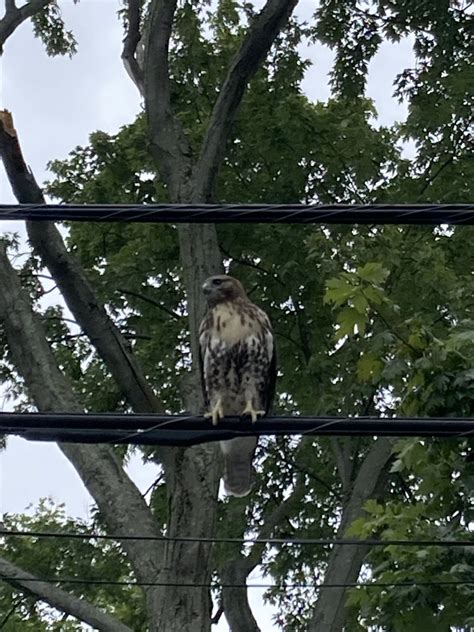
(338, 291)
(373, 272)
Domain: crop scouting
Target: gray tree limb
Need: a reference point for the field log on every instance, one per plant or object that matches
(341, 448)
(235, 603)
(169, 144)
(118, 499)
(60, 599)
(130, 44)
(345, 562)
(260, 36)
(91, 316)
(235, 600)
(14, 16)
(72, 281)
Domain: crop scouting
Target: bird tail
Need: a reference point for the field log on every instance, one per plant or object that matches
(238, 470)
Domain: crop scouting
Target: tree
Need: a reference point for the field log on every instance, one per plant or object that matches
(352, 336)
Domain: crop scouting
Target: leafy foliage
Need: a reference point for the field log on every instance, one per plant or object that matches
(50, 557)
(49, 26)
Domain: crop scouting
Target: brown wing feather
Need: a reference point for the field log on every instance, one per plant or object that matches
(201, 376)
(204, 328)
(268, 393)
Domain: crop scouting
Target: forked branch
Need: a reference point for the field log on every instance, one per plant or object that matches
(260, 36)
(344, 563)
(14, 16)
(235, 600)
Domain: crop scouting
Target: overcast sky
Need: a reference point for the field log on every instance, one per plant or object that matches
(56, 103)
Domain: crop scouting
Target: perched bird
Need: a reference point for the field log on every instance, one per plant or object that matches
(238, 370)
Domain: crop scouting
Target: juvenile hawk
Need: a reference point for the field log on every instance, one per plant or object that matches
(238, 370)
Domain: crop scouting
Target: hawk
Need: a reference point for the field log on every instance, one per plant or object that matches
(238, 370)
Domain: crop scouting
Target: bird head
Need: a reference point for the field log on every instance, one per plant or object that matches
(222, 288)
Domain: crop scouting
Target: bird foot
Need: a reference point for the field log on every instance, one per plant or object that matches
(215, 414)
(252, 413)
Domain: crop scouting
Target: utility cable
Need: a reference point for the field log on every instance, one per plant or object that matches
(4, 533)
(264, 213)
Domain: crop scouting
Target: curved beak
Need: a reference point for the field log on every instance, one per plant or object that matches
(207, 287)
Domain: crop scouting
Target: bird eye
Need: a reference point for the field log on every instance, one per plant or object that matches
(217, 282)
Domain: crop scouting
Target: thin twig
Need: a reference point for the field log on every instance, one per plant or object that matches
(152, 301)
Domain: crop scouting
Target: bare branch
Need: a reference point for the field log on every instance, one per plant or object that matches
(341, 448)
(260, 36)
(152, 301)
(119, 500)
(345, 562)
(130, 43)
(60, 599)
(235, 600)
(169, 143)
(14, 17)
(72, 281)
(92, 317)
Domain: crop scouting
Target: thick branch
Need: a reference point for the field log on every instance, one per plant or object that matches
(92, 317)
(119, 500)
(235, 600)
(169, 143)
(14, 17)
(72, 281)
(341, 448)
(130, 43)
(60, 599)
(345, 562)
(257, 43)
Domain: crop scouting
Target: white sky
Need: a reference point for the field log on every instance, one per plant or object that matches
(56, 103)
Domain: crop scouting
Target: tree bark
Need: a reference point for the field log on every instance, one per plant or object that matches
(60, 599)
(345, 562)
(235, 600)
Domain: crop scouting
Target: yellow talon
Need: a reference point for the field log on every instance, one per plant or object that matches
(253, 414)
(216, 413)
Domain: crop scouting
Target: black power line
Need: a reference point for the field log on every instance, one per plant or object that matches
(106, 582)
(190, 429)
(263, 213)
(293, 541)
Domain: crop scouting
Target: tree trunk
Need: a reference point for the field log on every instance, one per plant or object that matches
(345, 562)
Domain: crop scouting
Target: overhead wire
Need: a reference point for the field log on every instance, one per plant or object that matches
(428, 214)
(110, 582)
(70, 535)
(187, 430)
